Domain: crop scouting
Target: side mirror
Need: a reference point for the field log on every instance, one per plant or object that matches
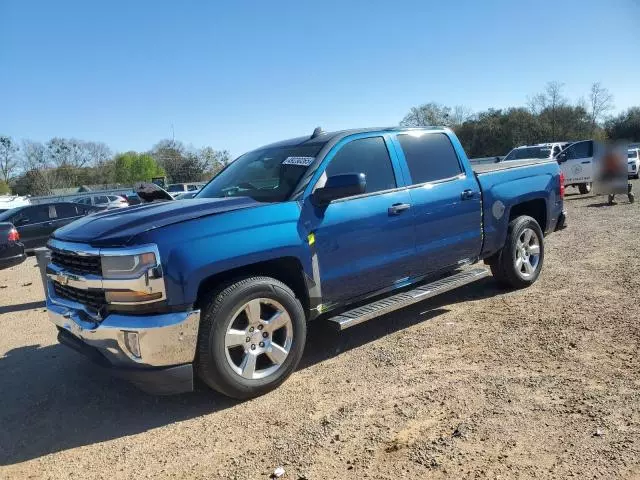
(562, 157)
(340, 186)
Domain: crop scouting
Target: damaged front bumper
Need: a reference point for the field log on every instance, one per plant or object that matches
(155, 352)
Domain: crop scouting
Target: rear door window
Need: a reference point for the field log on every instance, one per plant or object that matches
(369, 156)
(101, 200)
(430, 156)
(67, 210)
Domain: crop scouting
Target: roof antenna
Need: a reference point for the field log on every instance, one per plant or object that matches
(317, 132)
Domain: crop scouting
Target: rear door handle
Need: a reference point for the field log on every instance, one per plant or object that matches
(398, 208)
(467, 194)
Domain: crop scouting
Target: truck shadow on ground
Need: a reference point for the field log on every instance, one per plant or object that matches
(53, 399)
(22, 307)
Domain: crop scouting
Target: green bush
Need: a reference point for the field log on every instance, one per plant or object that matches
(4, 188)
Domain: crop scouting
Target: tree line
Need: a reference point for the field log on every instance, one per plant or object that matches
(548, 116)
(36, 168)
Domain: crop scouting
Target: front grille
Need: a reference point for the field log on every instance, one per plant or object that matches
(94, 299)
(81, 264)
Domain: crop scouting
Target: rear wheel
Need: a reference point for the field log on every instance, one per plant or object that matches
(584, 188)
(519, 263)
(251, 337)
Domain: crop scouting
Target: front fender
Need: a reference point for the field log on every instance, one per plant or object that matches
(195, 250)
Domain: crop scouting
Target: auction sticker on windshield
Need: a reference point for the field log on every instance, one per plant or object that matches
(301, 161)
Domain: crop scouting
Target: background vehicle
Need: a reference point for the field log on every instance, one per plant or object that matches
(575, 159)
(345, 226)
(540, 150)
(185, 195)
(576, 163)
(11, 249)
(35, 223)
(176, 188)
(7, 202)
(103, 201)
(633, 162)
(132, 199)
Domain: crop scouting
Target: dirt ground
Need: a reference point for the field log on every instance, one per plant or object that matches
(479, 383)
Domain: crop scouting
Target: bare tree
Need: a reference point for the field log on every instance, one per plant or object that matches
(600, 102)
(97, 153)
(8, 158)
(459, 115)
(70, 152)
(549, 103)
(33, 155)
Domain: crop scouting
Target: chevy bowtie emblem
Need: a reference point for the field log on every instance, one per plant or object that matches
(62, 279)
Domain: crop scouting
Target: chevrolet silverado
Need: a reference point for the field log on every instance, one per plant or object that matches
(343, 226)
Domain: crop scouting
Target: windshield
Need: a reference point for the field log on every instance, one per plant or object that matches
(633, 154)
(266, 175)
(528, 152)
(176, 187)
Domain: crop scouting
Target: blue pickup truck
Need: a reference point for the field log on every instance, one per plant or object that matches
(343, 227)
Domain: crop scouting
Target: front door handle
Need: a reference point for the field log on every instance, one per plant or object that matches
(467, 194)
(398, 208)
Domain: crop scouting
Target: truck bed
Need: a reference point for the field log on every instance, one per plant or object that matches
(493, 167)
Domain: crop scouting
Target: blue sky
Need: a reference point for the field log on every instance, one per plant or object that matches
(239, 74)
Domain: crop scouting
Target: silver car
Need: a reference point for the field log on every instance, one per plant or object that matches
(103, 201)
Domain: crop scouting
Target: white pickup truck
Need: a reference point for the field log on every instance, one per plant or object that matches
(575, 159)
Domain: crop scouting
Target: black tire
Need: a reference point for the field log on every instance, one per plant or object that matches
(211, 362)
(584, 188)
(503, 264)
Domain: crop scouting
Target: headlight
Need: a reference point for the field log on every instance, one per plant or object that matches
(127, 266)
(132, 276)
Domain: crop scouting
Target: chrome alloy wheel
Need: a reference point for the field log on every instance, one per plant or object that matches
(527, 253)
(258, 338)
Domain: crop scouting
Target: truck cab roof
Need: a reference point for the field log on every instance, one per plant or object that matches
(322, 138)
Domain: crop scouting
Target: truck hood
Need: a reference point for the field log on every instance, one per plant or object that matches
(118, 226)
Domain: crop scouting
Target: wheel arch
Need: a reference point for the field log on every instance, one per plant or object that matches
(287, 269)
(535, 208)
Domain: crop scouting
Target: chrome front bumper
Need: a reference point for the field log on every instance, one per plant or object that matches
(163, 340)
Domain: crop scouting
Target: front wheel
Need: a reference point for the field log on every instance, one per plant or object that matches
(251, 337)
(584, 188)
(519, 263)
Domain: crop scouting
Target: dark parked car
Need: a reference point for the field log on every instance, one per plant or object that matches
(35, 223)
(11, 249)
(132, 198)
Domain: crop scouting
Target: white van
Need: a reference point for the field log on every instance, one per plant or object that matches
(575, 159)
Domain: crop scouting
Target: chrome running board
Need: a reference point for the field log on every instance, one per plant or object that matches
(404, 299)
